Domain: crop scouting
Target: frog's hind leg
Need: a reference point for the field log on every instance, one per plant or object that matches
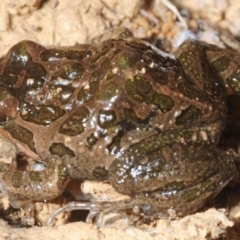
(174, 181)
(177, 176)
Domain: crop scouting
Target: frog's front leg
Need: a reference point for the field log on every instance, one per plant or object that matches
(24, 187)
(160, 175)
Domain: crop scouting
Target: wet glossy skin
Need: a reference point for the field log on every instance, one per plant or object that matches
(121, 111)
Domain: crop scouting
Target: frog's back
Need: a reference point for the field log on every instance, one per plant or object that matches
(103, 97)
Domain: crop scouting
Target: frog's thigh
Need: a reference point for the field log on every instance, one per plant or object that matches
(190, 170)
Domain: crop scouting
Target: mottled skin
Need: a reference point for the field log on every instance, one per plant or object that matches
(119, 110)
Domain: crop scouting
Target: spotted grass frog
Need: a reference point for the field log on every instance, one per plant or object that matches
(121, 111)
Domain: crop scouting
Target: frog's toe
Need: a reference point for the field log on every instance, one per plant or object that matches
(101, 213)
(94, 210)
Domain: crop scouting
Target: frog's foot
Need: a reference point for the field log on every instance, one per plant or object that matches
(94, 209)
(101, 218)
(99, 212)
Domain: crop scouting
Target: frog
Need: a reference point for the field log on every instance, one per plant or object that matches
(118, 110)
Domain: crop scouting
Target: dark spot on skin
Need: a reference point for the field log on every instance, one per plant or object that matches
(20, 67)
(75, 124)
(188, 115)
(41, 114)
(19, 58)
(220, 64)
(106, 118)
(69, 72)
(126, 60)
(61, 92)
(86, 94)
(60, 85)
(91, 141)
(31, 86)
(158, 75)
(131, 121)
(22, 134)
(63, 176)
(60, 150)
(108, 91)
(140, 90)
